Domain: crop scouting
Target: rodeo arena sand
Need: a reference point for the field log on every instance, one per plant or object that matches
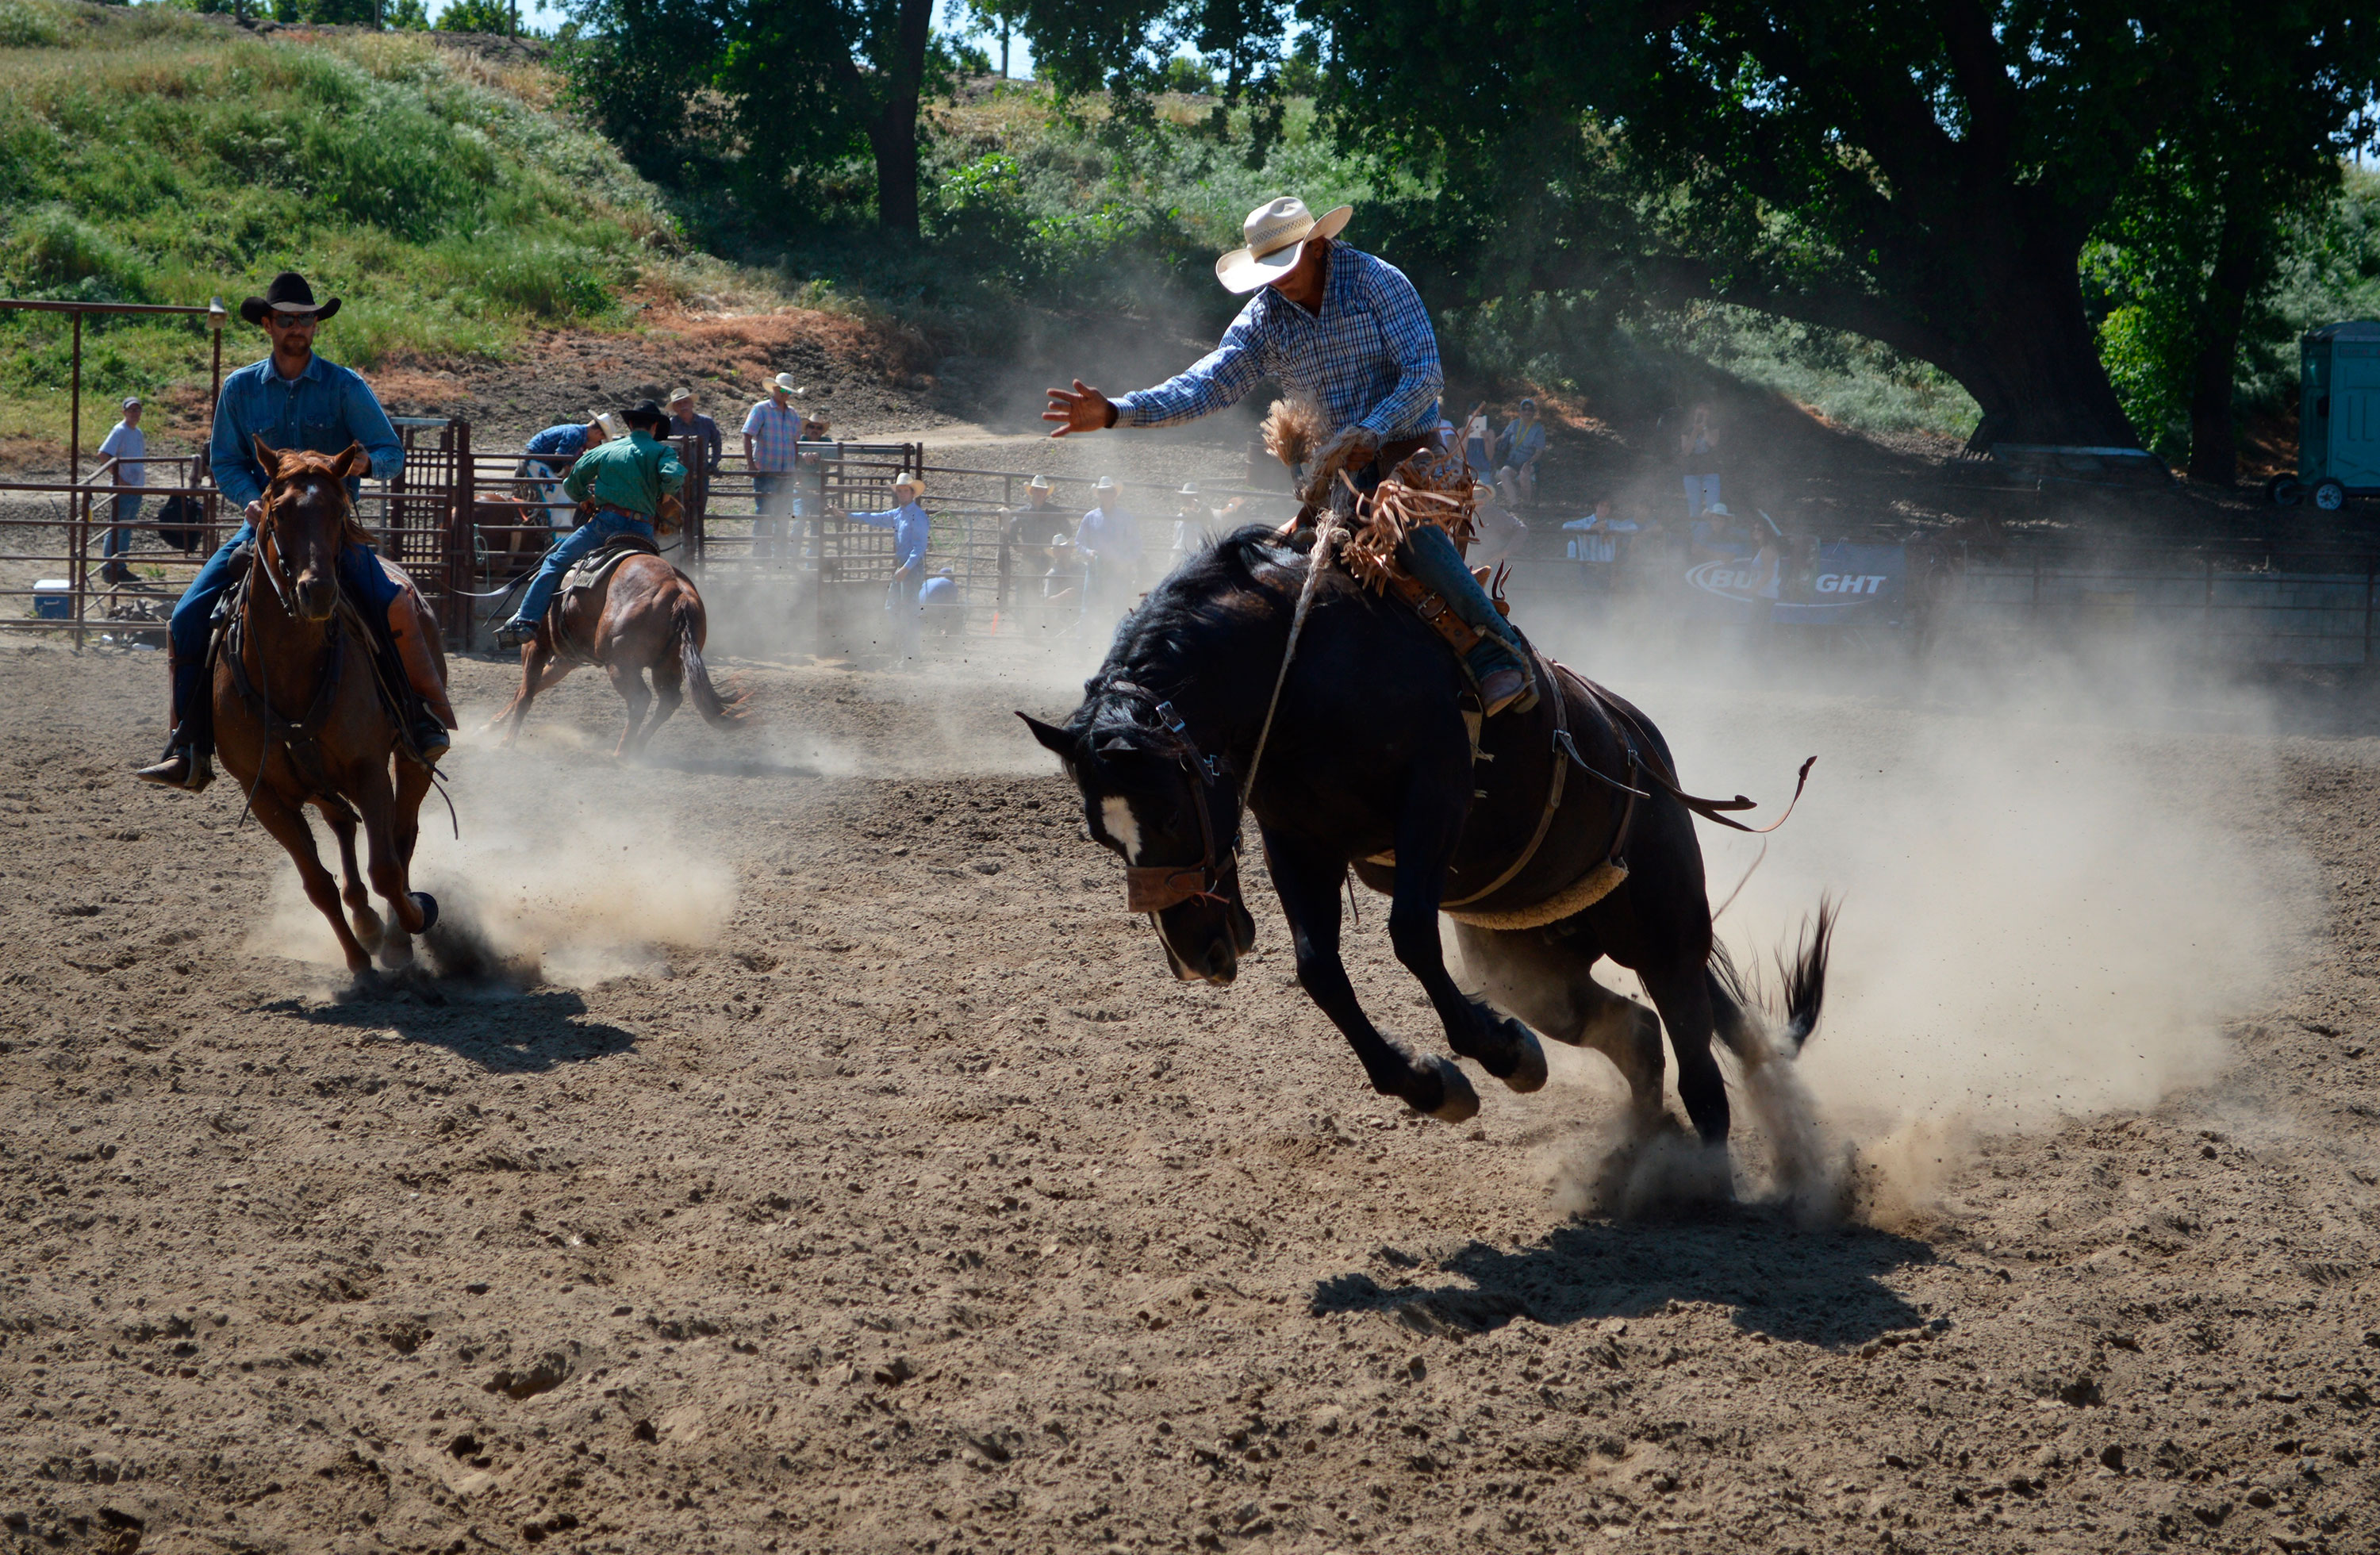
(798, 1147)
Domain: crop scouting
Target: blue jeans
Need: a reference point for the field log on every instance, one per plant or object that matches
(360, 573)
(119, 535)
(1432, 558)
(901, 602)
(572, 546)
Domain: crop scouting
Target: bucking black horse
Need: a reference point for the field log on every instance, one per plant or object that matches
(1559, 838)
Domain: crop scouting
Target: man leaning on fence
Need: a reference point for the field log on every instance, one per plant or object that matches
(293, 399)
(124, 444)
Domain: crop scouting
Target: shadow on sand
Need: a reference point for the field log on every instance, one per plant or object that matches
(501, 1030)
(1815, 1287)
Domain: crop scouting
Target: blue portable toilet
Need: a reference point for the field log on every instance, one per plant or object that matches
(2338, 416)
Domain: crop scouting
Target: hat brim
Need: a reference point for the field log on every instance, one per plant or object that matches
(255, 309)
(1240, 271)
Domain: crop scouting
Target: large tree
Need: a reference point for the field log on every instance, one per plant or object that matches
(1928, 176)
(770, 88)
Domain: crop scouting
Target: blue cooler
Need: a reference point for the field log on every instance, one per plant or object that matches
(54, 600)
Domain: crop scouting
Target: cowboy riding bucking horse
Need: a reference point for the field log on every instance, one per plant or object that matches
(292, 400)
(1345, 332)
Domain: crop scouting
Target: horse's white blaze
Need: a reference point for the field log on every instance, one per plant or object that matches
(1116, 816)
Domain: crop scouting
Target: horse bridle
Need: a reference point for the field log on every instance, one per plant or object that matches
(1152, 888)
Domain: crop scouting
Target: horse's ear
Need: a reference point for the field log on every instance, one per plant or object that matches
(354, 464)
(1055, 740)
(268, 458)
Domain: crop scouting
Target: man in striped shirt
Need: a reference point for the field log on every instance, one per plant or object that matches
(1348, 330)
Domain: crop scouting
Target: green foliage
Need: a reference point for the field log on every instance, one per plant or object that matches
(406, 15)
(476, 16)
(448, 215)
(29, 24)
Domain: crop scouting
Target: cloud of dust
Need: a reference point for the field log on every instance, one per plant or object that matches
(2061, 876)
(552, 881)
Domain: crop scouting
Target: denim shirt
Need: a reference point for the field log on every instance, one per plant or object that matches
(322, 409)
(911, 529)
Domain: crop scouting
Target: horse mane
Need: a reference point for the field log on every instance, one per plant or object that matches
(1218, 592)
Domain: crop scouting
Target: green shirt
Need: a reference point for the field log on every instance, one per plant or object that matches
(631, 473)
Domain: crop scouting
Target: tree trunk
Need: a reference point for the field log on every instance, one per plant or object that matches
(892, 130)
(2240, 260)
(2019, 342)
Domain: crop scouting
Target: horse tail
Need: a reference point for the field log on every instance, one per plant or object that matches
(685, 630)
(1793, 1018)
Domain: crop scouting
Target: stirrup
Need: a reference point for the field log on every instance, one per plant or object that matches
(1508, 691)
(182, 766)
(515, 632)
(432, 741)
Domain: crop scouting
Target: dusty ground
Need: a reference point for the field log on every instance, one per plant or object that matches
(856, 1181)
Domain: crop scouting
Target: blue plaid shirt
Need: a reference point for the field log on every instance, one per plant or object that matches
(566, 440)
(1370, 355)
(774, 434)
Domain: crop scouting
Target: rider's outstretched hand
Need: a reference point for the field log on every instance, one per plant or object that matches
(1082, 408)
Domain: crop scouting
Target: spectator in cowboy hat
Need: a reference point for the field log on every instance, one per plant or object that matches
(1109, 541)
(1035, 539)
(685, 420)
(1194, 521)
(772, 435)
(912, 531)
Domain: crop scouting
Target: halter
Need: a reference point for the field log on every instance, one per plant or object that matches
(1152, 888)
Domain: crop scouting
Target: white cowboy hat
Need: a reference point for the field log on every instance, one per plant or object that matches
(1189, 489)
(612, 426)
(910, 481)
(1276, 233)
(1039, 483)
(782, 381)
(677, 395)
(1718, 510)
(1106, 483)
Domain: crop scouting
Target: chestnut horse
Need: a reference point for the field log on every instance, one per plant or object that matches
(300, 720)
(644, 615)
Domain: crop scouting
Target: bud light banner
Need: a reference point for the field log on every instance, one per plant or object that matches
(1807, 583)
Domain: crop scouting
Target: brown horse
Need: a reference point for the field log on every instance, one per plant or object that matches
(299, 720)
(644, 615)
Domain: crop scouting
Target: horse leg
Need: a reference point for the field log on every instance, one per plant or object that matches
(388, 873)
(1550, 984)
(540, 671)
(358, 896)
(1427, 833)
(1309, 888)
(669, 687)
(1682, 994)
(629, 682)
(287, 823)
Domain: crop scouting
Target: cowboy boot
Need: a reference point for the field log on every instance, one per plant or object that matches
(185, 764)
(434, 715)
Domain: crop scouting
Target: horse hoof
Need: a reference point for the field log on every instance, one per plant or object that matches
(1460, 1103)
(1529, 1073)
(428, 906)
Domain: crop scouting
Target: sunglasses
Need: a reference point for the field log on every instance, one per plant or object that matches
(292, 320)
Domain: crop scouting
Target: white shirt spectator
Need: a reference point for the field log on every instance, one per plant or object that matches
(127, 446)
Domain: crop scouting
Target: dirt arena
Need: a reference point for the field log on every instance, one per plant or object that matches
(854, 1178)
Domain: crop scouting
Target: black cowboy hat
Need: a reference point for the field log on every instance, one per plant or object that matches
(645, 413)
(288, 293)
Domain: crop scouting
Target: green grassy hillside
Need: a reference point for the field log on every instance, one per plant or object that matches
(148, 156)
